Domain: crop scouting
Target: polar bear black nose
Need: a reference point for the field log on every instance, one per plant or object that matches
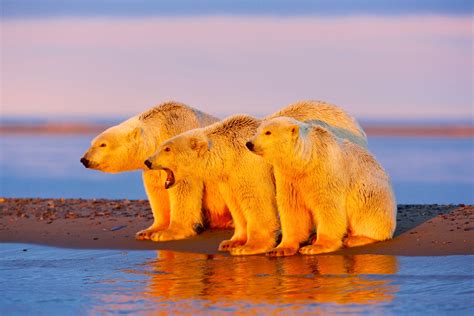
(249, 145)
(148, 163)
(85, 162)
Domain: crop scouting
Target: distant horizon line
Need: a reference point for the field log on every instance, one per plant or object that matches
(372, 129)
(73, 119)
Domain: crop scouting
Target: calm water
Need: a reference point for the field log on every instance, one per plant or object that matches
(44, 280)
(423, 170)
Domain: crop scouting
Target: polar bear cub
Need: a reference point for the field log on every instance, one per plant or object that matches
(327, 182)
(217, 154)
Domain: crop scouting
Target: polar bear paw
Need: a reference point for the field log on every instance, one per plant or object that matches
(356, 241)
(171, 234)
(227, 245)
(248, 250)
(318, 248)
(145, 234)
(282, 252)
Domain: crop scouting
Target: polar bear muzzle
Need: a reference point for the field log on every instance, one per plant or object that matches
(148, 163)
(170, 180)
(85, 162)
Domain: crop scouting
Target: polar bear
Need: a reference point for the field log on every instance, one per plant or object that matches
(126, 146)
(217, 154)
(327, 182)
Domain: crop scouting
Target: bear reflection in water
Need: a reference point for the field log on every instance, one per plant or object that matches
(356, 279)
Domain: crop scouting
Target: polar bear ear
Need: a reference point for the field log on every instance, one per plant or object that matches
(294, 129)
(136, 133)
(198, 145)
(320, 129)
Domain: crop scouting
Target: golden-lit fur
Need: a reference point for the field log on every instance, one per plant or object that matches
(126, 146)
(217, 154)
(325, 182)
(326, 115)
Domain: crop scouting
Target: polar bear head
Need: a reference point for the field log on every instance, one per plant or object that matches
(280, 139)
(119, 148)
(181, 156)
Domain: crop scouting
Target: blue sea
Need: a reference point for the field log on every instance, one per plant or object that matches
(422, 169)
(38, 280)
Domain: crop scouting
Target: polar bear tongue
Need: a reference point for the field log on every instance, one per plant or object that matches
(169, 178)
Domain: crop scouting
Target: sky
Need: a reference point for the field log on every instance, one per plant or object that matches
(377, 59)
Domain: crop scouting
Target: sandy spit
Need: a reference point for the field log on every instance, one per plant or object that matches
(422, 230)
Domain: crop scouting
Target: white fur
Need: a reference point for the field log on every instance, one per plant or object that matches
(327, 183)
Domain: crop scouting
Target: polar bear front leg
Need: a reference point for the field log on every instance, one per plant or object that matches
(185, 211)
(331, 228)
(260, 240)
(295, 218)
(295, 227)
(239, 238)
(159, 203)
(260, 212)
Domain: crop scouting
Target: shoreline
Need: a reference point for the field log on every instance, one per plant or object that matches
(422, 230)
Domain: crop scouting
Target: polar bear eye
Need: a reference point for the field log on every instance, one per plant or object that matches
(167, 149)
(103, 145)
(268, 133)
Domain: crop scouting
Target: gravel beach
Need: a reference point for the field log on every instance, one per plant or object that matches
(422, 230)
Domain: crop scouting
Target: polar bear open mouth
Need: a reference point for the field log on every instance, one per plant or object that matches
(169, 178)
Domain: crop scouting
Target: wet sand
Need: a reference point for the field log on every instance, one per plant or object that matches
(422, 230)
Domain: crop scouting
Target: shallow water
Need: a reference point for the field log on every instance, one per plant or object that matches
(423, 169)
(47, 280)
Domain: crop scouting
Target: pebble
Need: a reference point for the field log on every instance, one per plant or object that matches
(117, 227)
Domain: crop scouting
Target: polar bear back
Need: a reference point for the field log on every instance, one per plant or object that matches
(321, 111)
(172, 118)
